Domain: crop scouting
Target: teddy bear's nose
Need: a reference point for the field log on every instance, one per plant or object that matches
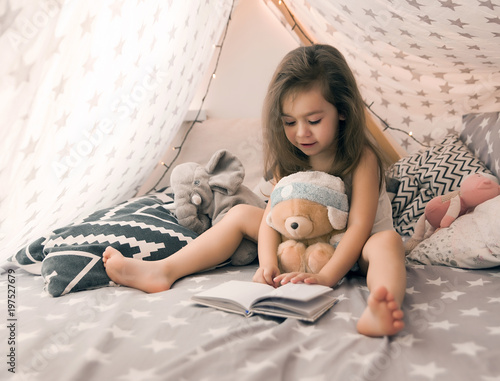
(298, 227)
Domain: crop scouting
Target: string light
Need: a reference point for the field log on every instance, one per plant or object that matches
(387, 127)
(179, 148)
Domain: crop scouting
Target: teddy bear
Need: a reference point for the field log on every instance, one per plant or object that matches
(441, 211)
(309, 209)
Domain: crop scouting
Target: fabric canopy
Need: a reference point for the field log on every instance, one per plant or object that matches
(421, 65)
(92, 93)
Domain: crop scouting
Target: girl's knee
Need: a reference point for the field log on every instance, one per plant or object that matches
(237, 213)
(242, 212)
(386, 237)
(246, 218)
(386, 242)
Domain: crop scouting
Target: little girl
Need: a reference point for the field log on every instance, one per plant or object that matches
(314, 119)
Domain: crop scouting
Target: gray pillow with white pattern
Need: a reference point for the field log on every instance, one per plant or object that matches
(481, 133)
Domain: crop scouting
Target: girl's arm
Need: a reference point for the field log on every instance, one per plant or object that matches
(362, 211)
(268, 242)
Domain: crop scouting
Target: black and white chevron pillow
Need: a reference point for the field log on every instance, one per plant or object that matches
(70, 258)
(427, 174)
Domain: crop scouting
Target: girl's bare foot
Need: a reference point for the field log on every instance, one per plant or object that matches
(143, 275)
(382, 316)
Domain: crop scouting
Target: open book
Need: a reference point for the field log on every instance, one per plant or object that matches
(295, 300)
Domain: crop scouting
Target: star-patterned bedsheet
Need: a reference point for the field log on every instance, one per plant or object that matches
(117, 333)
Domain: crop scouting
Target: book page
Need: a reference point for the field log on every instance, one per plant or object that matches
(298, 291)
(241, 292)
(308, 311)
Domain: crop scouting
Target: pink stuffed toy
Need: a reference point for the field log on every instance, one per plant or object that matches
(441, 211)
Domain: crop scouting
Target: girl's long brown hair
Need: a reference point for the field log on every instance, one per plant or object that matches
(299, 70)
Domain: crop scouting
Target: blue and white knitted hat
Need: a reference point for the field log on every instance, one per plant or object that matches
(316, 186)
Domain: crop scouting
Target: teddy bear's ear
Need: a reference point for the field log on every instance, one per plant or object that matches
(337, 218)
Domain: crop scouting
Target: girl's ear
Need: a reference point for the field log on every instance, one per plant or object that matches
(341, 117)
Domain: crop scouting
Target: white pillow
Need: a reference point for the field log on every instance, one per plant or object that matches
(472, 241)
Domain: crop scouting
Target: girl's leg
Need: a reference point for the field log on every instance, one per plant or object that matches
(383, 261)
(209, 249)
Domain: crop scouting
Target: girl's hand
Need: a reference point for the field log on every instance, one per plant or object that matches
(266, 275)
(297, 277)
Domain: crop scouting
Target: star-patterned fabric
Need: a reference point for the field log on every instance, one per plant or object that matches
(116, 333)
(481, 133)
(92, 93)
(420, 64)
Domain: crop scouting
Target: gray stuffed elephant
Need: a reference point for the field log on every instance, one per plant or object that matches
(204, 194)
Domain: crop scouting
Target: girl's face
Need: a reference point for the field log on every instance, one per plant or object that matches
(311, 124)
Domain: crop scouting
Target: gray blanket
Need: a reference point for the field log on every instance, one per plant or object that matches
(117, 333)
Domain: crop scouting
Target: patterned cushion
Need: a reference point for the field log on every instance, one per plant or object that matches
(481, 133)
(70, 258)
(471, 242)
(427, 174)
